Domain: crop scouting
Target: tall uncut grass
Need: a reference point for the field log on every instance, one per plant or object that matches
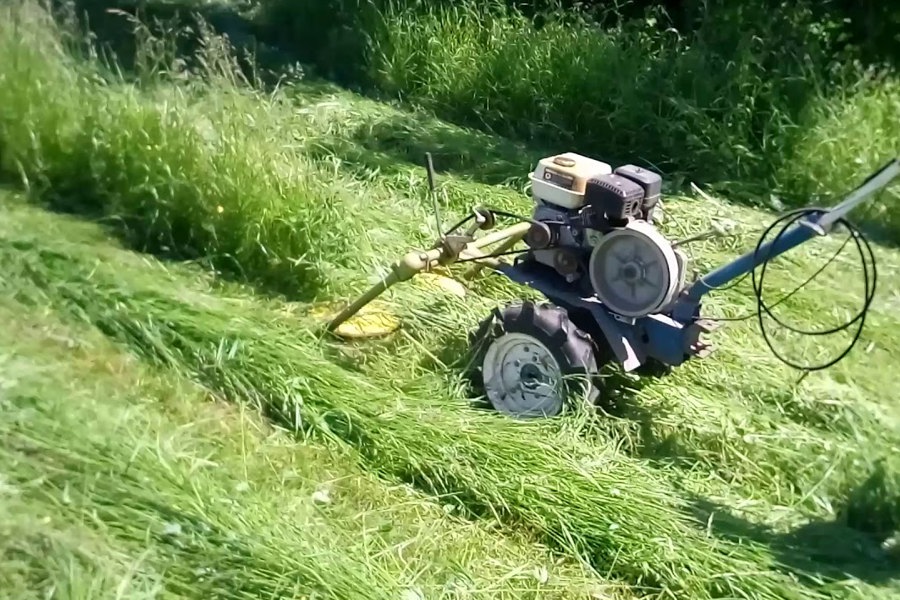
(209, 177)
(744, 101)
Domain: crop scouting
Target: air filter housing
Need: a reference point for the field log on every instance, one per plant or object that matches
(649, 181)
(614, 197)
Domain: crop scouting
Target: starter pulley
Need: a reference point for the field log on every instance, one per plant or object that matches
(634, 270)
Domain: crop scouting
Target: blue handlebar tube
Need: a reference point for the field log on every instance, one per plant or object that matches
(687, 307)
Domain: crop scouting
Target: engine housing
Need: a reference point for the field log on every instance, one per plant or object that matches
(587, 215)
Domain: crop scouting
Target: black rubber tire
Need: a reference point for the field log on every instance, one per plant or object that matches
(572, 348)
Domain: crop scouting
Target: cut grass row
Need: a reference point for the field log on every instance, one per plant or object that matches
(246, 354)
(605, 508)
(171, 490)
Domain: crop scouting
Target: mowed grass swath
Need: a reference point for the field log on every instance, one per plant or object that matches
(485, 464)
(138, 503)
(601, 505)
(171, 490)
(610, 490)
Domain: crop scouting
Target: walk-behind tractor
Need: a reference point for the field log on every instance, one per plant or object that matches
(616, 287)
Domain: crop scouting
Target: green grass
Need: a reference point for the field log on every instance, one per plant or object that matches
(170, 488)
(719, 101)
(727, 479)
(479, 462)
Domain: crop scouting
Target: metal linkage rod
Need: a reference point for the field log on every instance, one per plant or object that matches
(415, 262)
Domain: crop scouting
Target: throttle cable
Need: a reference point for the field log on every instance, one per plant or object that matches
(870, 274)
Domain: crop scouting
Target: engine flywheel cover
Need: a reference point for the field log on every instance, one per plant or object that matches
(634, 270)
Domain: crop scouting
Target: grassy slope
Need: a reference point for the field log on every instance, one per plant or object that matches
(719, 102)
(170, 488)
(725, 433)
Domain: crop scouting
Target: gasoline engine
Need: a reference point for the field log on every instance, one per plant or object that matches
(595, 227)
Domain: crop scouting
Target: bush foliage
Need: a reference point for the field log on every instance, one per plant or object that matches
(740, 96)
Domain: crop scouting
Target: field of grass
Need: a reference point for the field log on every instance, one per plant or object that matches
(721, 102)
(175, 426)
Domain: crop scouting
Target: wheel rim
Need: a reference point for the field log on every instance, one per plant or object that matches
(522, 378)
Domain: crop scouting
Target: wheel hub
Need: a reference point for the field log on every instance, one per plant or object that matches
(632, 271)
(522, 378)
(531, 376)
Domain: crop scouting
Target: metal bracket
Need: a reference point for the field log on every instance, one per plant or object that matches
(619, 335)
(451, 247)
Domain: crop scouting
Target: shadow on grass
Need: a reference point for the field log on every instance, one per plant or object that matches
(852, 545)
(177, 245)
(666, 450)
(119, 29)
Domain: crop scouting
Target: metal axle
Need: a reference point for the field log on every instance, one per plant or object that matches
(416, 262)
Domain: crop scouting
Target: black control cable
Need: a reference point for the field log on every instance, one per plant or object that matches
(869, 274)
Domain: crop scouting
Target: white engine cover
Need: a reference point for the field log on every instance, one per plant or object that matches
(634, 270)
(560, 180)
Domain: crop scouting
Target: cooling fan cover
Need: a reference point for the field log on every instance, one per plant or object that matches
(634, 270)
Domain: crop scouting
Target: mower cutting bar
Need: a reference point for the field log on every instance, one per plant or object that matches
(417, 262)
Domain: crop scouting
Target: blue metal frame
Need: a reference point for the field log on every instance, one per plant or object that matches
(671, 337)
(686, 308)
(632, 341)
(621, 338)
